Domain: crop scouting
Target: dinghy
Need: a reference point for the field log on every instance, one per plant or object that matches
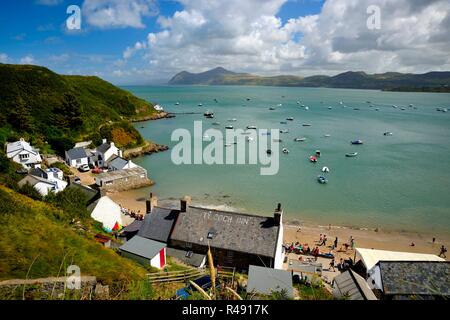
(351, 155)
(313, 159)
(299, 139)
(325, 169)
(357, 142)
(322, 179)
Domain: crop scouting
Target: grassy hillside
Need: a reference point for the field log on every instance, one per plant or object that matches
(36, 239)
(54, 110)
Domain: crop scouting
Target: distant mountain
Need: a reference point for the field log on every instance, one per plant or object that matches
(391, 81)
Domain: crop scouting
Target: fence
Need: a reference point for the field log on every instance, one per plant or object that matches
(183, 275)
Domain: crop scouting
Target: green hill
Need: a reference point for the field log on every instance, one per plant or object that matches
(431, 81)
(50, 108)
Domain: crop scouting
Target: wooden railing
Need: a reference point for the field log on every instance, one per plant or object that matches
(184, 275)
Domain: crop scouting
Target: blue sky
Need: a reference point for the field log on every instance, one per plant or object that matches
(147, 41)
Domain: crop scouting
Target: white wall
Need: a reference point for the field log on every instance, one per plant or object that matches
(156, 261)
(31, 160)
(43, 188)
(73, 163)
(279, 254)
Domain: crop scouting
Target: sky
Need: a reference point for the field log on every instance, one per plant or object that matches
(148, 41)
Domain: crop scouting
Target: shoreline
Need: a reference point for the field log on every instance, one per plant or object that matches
(383, 239)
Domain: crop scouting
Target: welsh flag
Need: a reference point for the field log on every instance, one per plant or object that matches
(116, 227)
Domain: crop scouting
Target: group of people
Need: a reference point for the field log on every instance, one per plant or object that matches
(137, 215)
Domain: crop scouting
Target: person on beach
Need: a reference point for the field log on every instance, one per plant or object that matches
(443, 251)
(324, 240)
(332, 265)
(335, 243)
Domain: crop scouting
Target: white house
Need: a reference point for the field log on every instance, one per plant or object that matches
(158, 108)
(45, 181)
(118, 163)
(77, 157)
(105, 151)
(107, 212)
(23, 153)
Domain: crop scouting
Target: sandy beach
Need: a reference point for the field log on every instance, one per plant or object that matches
(310, 233)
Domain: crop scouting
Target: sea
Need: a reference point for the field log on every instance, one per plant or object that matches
(398, 182)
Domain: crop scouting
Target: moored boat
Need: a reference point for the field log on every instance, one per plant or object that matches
(357, 142)
(299, 139)
(351, 154)
(322, 179)
(313, 159)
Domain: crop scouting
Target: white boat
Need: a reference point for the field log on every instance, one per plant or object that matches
(285, 150)
(280, 105)
(200, 104)
(249, 139)
(232, 120)
(388, 133)
(327, 135)
(251, 127)
(351, 155)
(306, 125)
(290, 119)
(284, 131)
(299, 139)
(325, 169)
(229, 127)
(177, 103)
(306, 108)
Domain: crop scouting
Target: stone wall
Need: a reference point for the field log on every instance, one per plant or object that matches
(128, 183)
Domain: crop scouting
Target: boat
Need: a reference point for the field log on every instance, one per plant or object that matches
(209, 114)
(216, 123)
(313, 159)
(306, 108)
(200, 104)
(351, 154)
(357, 109)
(377, 109)
(299, 139)
(229, 127)
(284, 131)
(277, 140)
(285, 151)
(394, 106)
(248, 99)
(325, 169)
(298, 102)
(228, 144)
(327, 135)
(251, 127)
(318, 153)
(215, 100)
(279, 105)
(271, 108)
(388, 133)
(249, 138)
(177, 103)
(290, 119)
(357, 142)
(444, 110)
(329, 108)
(206, 137)
(306, 125)
(269, 151)
(322, 179)
(232, 120)
(403, 109)
(283, 122)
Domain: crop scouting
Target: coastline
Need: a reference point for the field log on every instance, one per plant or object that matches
(310, 232)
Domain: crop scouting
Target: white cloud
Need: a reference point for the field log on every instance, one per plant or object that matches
(3, 58)
(118, 13)
(249, 36)
(28, 59)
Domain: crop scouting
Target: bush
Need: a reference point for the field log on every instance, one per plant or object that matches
(29, 191)
(72, 201)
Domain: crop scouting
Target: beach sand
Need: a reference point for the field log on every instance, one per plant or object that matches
(310, 233)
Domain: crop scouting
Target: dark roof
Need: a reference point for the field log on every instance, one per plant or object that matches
(158, 224)
(267, 280)
(117, 162)
(134, 226)
(233, 231)
(91, 194)
(38, 172)
(77, 153)
(142, 247)
(353, 286)
(103, 147)
(422, 278)
(194, 259)
(33, 180)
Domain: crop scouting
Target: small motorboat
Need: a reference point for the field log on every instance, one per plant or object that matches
(351, 154)
(387, 134)
(228, 144)
(290, 119)
(249, 139)
(327, 135)
(232, 120)
(248, 99)
(216, 123)
(306, 108)
(325, 169)
(209, 114)
(313, 159)
(285, 151)
(306, 125)
(177, 103)
(394, 106)
(299, 139)
(357, 109)
(229, 127)
(357, 142)
(251, 127)
(200, 104)
(377, 109)
(322, 179)
(329, 108)
(271, 108)
(269, 151)
(444, 110)
(284, 131)
(318, 153)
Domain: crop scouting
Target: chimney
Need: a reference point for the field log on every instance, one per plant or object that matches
(104, 140)
(153, 202)
(277, 216)
(184, 203)
(120, 153)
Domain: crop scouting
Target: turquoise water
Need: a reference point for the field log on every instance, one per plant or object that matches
(398, 182)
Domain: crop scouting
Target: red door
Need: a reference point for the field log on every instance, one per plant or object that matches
(162, 257)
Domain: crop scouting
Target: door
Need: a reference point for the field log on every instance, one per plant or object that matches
(162, 257)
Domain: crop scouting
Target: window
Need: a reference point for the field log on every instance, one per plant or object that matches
(78, 161)
(24, 156)
(188, 245)
(189, 254)
(210, 235)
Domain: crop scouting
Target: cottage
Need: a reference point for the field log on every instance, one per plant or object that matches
(351, 286)
(23, 153)
(106, 151)
(42, 185)
(118, 163)
(131, 230)
(188, 257)
(123, 179)
(77, 157)
(158, 108)
(236, 239)
(158, 224)
(265, 281)
(107, 212)
(145, 251)
(400, 280)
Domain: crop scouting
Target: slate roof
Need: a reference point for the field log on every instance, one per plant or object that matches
(266, 280)
(77, 153)
(117, 162)
(33, 180)
(353, 286)
(103, 147)
(142, 247)
(194, 259)
(423, 278)
(38, 172)
(134, 226)
(232, 231)
(158, 224)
